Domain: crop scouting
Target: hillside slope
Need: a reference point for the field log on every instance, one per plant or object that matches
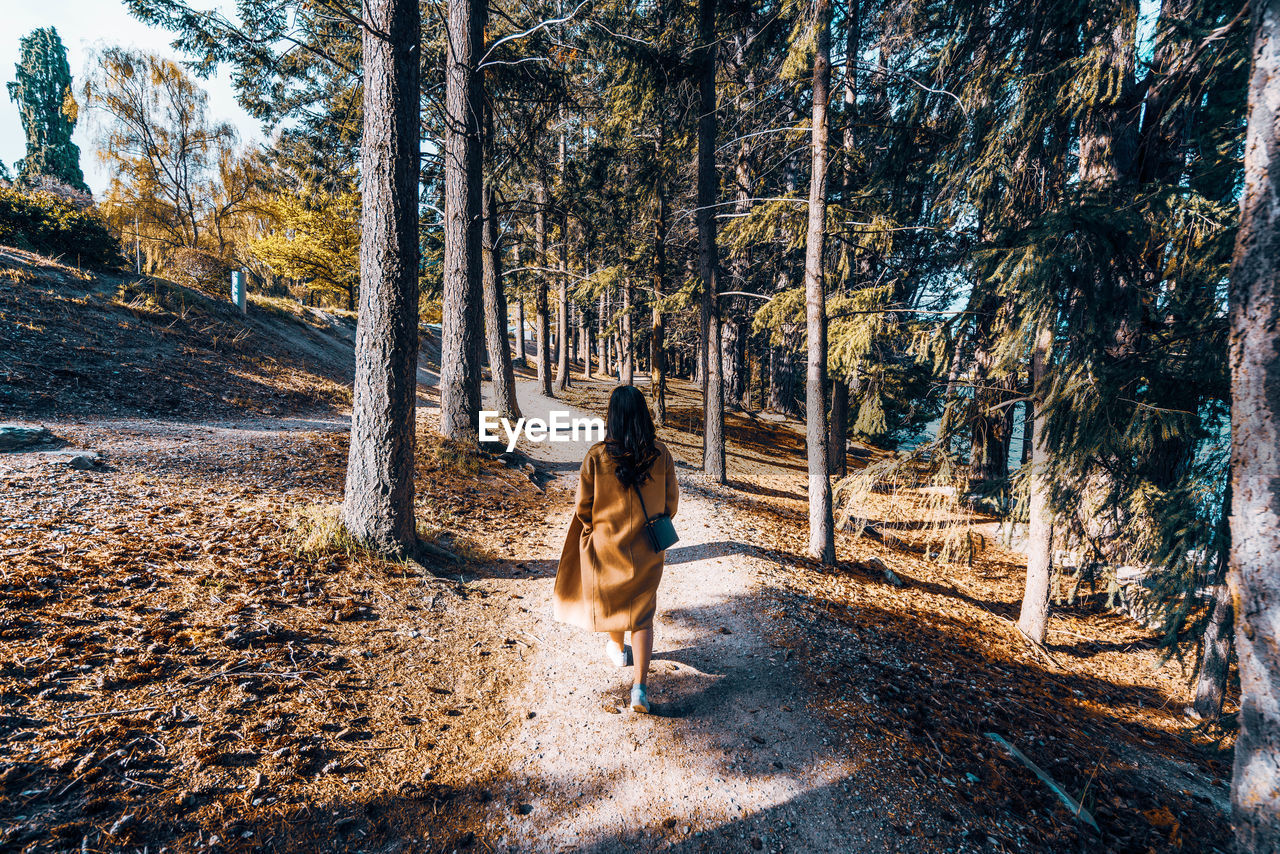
(72, 342)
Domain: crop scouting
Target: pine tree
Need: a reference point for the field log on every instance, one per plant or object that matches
(378, 502)
(501, 370)
(822, 542)
(713, 455)
(462, 323)
(1255, 473)
(48, 109)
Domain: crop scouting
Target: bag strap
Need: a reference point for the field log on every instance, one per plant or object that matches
(643, 509)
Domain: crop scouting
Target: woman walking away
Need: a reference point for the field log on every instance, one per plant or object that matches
(609, 571)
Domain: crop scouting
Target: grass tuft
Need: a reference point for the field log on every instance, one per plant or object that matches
(316, 530)
(444, 456)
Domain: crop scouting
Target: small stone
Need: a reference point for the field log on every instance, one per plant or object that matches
(525, 809)
(85, 462)
(15, 436)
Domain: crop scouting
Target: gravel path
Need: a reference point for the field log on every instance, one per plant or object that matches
(732, 758)
(730, 761)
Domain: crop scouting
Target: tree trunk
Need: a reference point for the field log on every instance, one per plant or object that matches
(1028, 432)
(735, 325)
(837, 455)
(521, 358)
(733, 353)
(1255, 464)
(562, 305)
(540, 299)
(462, 317)
(575, 324)
(495, 317)
(628, 344)
(822, 543)
(377, 506)
(708, 253)
(602, 337)
(657, 332)
(1215, 663)
(782, 377)
(1033, 619)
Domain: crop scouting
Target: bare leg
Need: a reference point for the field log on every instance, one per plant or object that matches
(642, 651)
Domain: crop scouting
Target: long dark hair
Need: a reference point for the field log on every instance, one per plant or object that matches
(629, 435)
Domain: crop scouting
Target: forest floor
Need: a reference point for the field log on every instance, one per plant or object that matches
(192, 658)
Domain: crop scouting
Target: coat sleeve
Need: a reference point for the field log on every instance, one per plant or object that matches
(673, 488)
(586, 492)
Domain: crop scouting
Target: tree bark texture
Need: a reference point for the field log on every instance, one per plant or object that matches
(992, 433)
(377, 506)
(822, 542)
(837, 455)
(501, 371)
(521, 357)
(541, 308)
(657, 331)
(713, 467)
(602, 337)
(733, 358)
(563, 334)
(1033, 618)
(1215, 661)
(782, 376)
(1254, 358)
(462, 320)
(628, 344)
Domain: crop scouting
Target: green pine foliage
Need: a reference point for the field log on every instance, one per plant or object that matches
(42, 90)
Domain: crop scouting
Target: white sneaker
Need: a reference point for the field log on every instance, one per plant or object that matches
(639, 699)
(619, 657)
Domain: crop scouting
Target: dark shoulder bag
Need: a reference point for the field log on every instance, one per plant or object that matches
(659, 530)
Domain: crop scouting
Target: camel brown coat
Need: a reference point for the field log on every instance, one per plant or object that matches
(608, 576)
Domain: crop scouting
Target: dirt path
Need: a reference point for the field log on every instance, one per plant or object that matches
(731, 760)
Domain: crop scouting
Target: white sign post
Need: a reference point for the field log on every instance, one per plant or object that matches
(238, 295)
